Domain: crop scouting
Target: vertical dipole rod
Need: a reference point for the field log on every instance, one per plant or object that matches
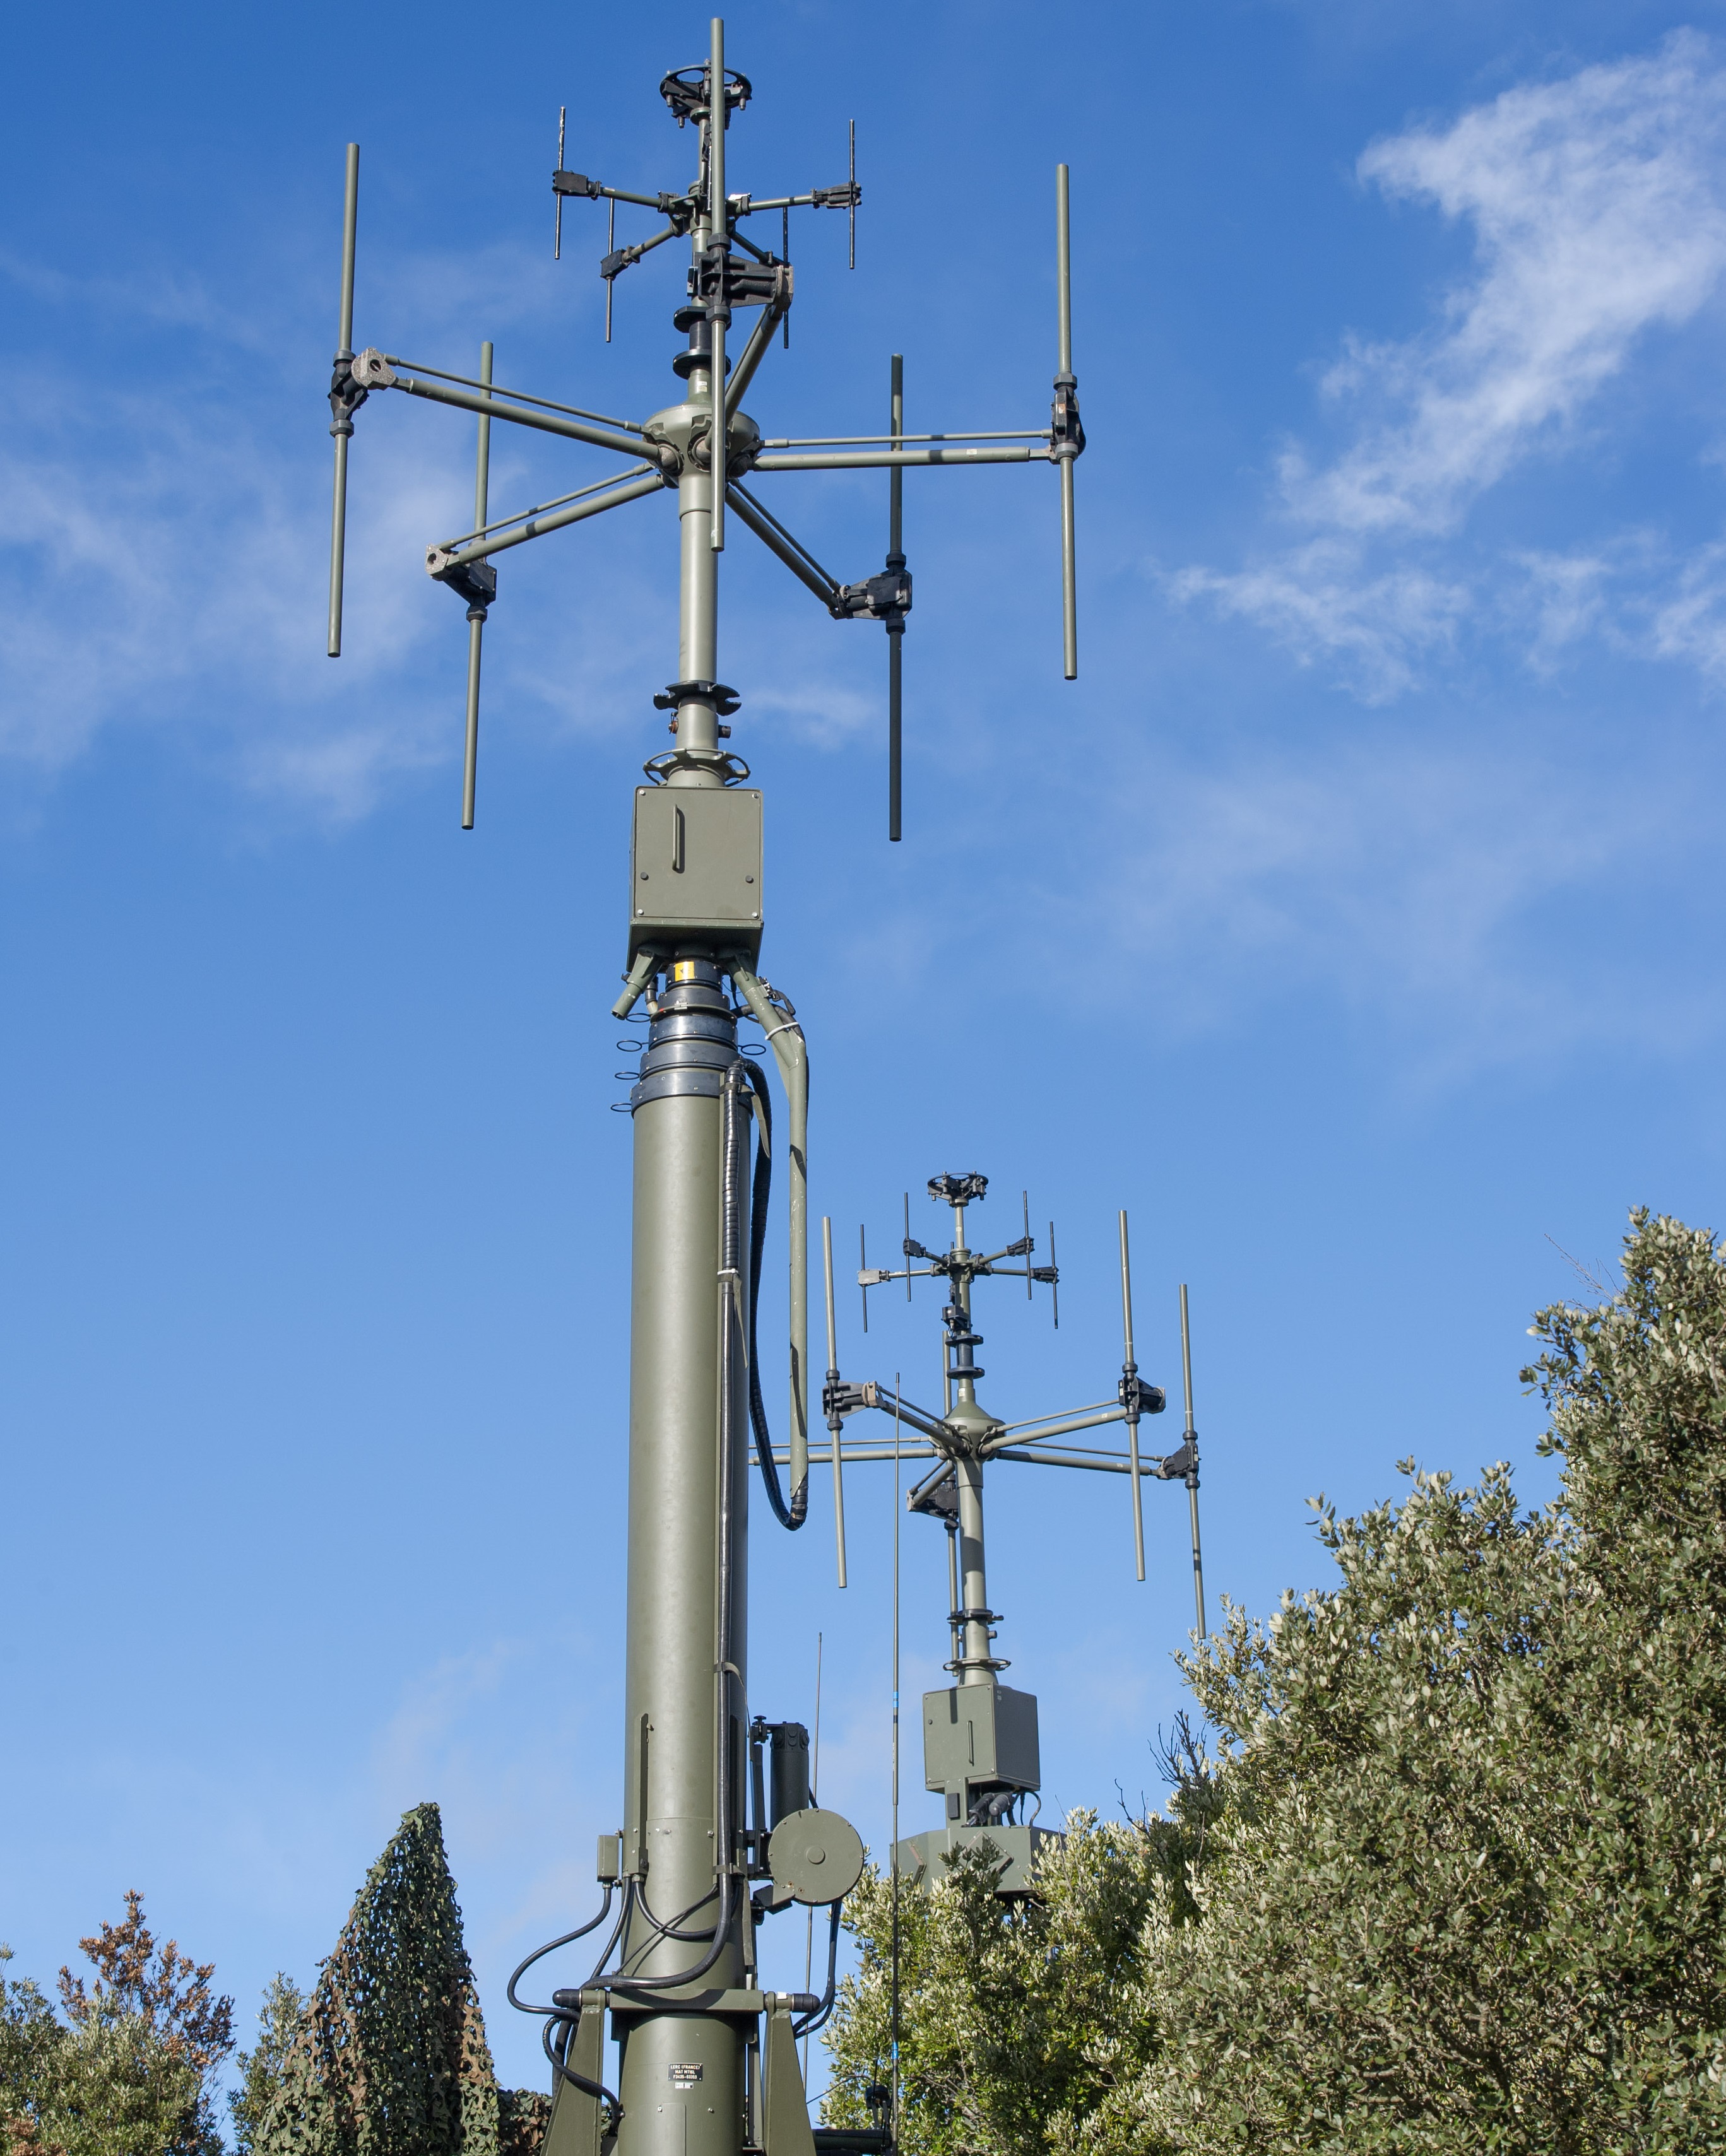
(476, 617)
(1025, 1199)
(1069, 577)
(557, 229)
(1191, 1438)
(343, 428)
(853, 203)
(895, 629)
(719, 440)
(907, 1254)
(893, 2015)
(1132, 1370)
(833, 1422)
(611, 282)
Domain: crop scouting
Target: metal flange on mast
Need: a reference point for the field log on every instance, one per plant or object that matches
(980, 1742)
(708, 2064)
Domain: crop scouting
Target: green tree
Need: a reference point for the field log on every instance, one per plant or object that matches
(261, 2069)
(1456, 1878)
(129, 2071)
(1018, 2020)
(1468, 1893)
(388, 2056)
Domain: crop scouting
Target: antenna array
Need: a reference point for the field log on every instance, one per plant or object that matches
(708, 2059)
(980, 1738)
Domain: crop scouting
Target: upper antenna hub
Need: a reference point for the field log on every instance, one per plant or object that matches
(685, 90)
(957, 1189)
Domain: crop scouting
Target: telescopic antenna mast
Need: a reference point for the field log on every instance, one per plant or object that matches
(708, 2061)
(980, 1745)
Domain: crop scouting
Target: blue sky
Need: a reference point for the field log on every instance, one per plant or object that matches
(1354, 921)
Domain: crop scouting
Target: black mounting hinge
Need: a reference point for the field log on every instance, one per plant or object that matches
(574, 183)
(1138, 1397)
(1068, 435)
(475, 582)
(724, 280)
(1182, 1466)
(838, 1398)
(345, 395)
(845, 195)
(885, 598)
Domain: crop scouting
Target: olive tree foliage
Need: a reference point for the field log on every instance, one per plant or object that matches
(126, 2066)
(1020, 2022)
(1469, 1889)
(1459, 1883)
(388, 2055)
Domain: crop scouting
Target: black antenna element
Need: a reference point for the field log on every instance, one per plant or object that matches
(557, 229)
(346, 397)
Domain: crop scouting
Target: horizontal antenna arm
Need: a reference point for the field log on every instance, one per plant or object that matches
(439, 561)
(876, 1395)
(1100, 1463)
(624, 258)
(540, 509)
(845, 195)
(374, 371)
(879, 459)
(578, 183)
(776, 540)
(517, 396)
(1036, 1435)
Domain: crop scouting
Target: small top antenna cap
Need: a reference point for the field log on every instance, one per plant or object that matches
(957, 1189)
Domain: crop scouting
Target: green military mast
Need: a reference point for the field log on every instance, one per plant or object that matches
(699, 2076)
(980, 1741)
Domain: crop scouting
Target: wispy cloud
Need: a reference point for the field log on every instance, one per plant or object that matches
(1597, 205)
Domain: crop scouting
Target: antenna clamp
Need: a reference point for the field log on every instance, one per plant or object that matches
(885, 598)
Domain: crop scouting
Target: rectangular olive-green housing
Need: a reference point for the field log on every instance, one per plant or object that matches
(694, 869)
(981, 1735)
(921, 1859)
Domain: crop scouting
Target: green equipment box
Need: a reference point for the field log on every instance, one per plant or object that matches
(694, 869)
(979, 1735)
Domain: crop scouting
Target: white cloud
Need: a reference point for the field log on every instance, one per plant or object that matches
(1597, 211)
(1598, 208)
(1444, 889)
(1317, 601)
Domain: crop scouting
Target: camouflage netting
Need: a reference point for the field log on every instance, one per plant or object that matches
(390, 2058)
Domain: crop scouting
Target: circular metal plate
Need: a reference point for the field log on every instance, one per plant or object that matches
(816, 1855)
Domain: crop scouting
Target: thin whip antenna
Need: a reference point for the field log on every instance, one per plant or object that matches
(862, 1268)
(1025, 1198)
(476, 613)
(342, 426)
(1054, 1284)
(896, 561)
(785, 319)
(1130, 1373)
(907, 1254)
(1191, 1440)
(557, 230)
(834, 1424)
(611, 284)
(893, 2029)
(808, 1944)
(852, 207)
(1065, 451)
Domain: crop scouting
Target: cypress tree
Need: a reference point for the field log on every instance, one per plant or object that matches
(390, 2057)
